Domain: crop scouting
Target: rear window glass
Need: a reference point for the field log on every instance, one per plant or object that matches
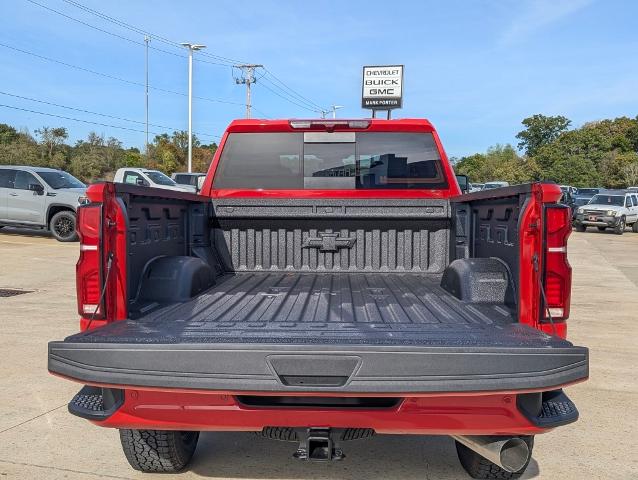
(184, 179)
(364, 160)
(23, 180)
(261, 160)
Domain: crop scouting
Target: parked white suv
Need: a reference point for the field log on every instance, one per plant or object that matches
(610, 209)
(42, 198)
(150, 178)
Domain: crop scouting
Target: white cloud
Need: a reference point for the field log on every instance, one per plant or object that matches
(539, 14)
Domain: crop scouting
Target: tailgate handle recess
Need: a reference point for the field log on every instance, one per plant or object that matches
(314, 370)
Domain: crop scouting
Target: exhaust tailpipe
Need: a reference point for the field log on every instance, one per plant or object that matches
(509, 453)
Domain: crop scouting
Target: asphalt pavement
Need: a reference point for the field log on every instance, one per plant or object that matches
(39, 439)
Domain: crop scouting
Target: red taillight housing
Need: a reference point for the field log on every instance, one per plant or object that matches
(89, 267)
(557, 278)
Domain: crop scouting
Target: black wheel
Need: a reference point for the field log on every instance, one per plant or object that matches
(634, 227)
(62, 226)
(580, 227)
(620, 228)
(160, 451)
(601, 229)
(479, 467)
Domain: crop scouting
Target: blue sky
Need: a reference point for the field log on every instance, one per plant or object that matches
(474, 68)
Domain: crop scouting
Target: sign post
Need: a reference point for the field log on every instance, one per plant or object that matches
(382, 88)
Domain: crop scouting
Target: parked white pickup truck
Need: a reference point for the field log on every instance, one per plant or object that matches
(150, 178)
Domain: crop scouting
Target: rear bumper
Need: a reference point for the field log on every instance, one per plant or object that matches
(601, 221)
(492, 414)
(288, 369)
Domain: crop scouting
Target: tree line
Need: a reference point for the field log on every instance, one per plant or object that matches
(598, 154)
(98, 157)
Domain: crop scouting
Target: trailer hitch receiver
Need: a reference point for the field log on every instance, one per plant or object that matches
(318, 445)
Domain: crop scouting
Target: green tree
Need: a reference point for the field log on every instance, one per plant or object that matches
(540, 130)
(22, 151)
(202, 158)
(52, 137)
(576, 170)
(500, 162)
(616, 169)
(630, 174)
(87, 166)
(132, 158)
(8, 134)
(606, 145)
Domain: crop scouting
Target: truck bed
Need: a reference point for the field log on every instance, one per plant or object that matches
(316, 308)
(268, 331)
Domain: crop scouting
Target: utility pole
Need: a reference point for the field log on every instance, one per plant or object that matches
(247, 78)
(334, 110)
(146, 40)
(191, 48)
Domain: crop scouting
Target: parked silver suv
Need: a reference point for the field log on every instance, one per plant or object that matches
(609, 209)
(38, 197)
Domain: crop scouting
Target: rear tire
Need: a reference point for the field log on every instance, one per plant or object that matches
(480, 467)
(580, 227)
(620, 228)
(634, 227)
(62, 226)
(159, 451)
(601, 229)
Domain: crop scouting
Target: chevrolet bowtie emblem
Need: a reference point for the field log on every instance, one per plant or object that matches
(329, 242)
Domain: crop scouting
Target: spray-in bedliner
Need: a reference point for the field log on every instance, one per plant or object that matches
(326, 308)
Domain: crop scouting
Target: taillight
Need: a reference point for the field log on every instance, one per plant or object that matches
(89, 266)
(558, 273)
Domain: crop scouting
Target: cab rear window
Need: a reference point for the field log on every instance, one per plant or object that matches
(340, 160)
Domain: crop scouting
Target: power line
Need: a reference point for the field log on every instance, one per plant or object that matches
(78, 119)
(286, 96)
(117, 35)
(75, 119)
(113, 77)
(260, 112)
(298, 95)
(289, 99)
(141, 31)
(228, 61)
(99, 114)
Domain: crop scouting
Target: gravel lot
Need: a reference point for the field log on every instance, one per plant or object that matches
(39, 439)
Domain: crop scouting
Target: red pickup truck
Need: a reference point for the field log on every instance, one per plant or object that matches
(330, 283)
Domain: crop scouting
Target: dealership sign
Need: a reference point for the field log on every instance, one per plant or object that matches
(382, 87)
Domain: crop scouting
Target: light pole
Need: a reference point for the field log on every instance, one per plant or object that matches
(146, 40)
(191, 48)
(334, 110)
